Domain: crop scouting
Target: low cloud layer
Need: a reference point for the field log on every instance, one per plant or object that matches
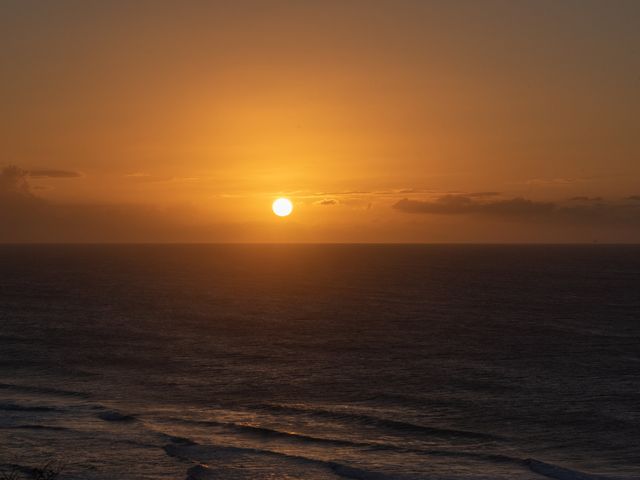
(466, 204)
(327, 202)
(582, 210)
(586, 199)
(13, 182)
(52, 174)
(476, 216)
(27, 218)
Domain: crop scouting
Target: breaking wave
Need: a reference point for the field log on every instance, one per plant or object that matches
(204, 471)
(269, 432)
(187, 449)
(379, 422)
(244, 429)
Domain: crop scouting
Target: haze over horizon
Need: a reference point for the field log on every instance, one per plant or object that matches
(403, 121)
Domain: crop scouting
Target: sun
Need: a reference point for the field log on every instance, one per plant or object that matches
(282, 207)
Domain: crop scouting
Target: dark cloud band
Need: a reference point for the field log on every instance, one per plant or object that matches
(588, 210)
(53, 174)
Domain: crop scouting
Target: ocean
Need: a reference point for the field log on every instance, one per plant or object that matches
(280, 362)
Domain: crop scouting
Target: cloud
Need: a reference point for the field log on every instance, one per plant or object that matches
(345, 193)
(557, 182)
(25, 217)
(13, 182)
(18, 205)
(586, 199)
(391, 192)
(403, 191)
(142, 177)
(53, 174)
(327, 201)
(20, 209)
(587, 211)
(465, 204)
(483, 194)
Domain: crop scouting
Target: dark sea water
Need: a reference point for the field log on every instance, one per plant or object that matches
(317, 362)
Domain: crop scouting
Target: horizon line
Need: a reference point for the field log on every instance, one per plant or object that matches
(133, 243)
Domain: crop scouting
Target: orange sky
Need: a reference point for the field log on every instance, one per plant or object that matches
(383, 121)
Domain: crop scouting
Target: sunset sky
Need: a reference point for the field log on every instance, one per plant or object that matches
(382, 121)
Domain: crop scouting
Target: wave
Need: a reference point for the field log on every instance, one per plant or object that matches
(178, 440)
(562, 473)
(203, 471)
(14, 407)
(380, 422)
(346, 471)
(14, 467)
(199, 472)
(34, 427)
(113, 416)
(187, 449)
(272, 433)
(269, 432)
(42, 390)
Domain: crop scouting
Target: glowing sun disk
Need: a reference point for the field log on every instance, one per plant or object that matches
(282, 207)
